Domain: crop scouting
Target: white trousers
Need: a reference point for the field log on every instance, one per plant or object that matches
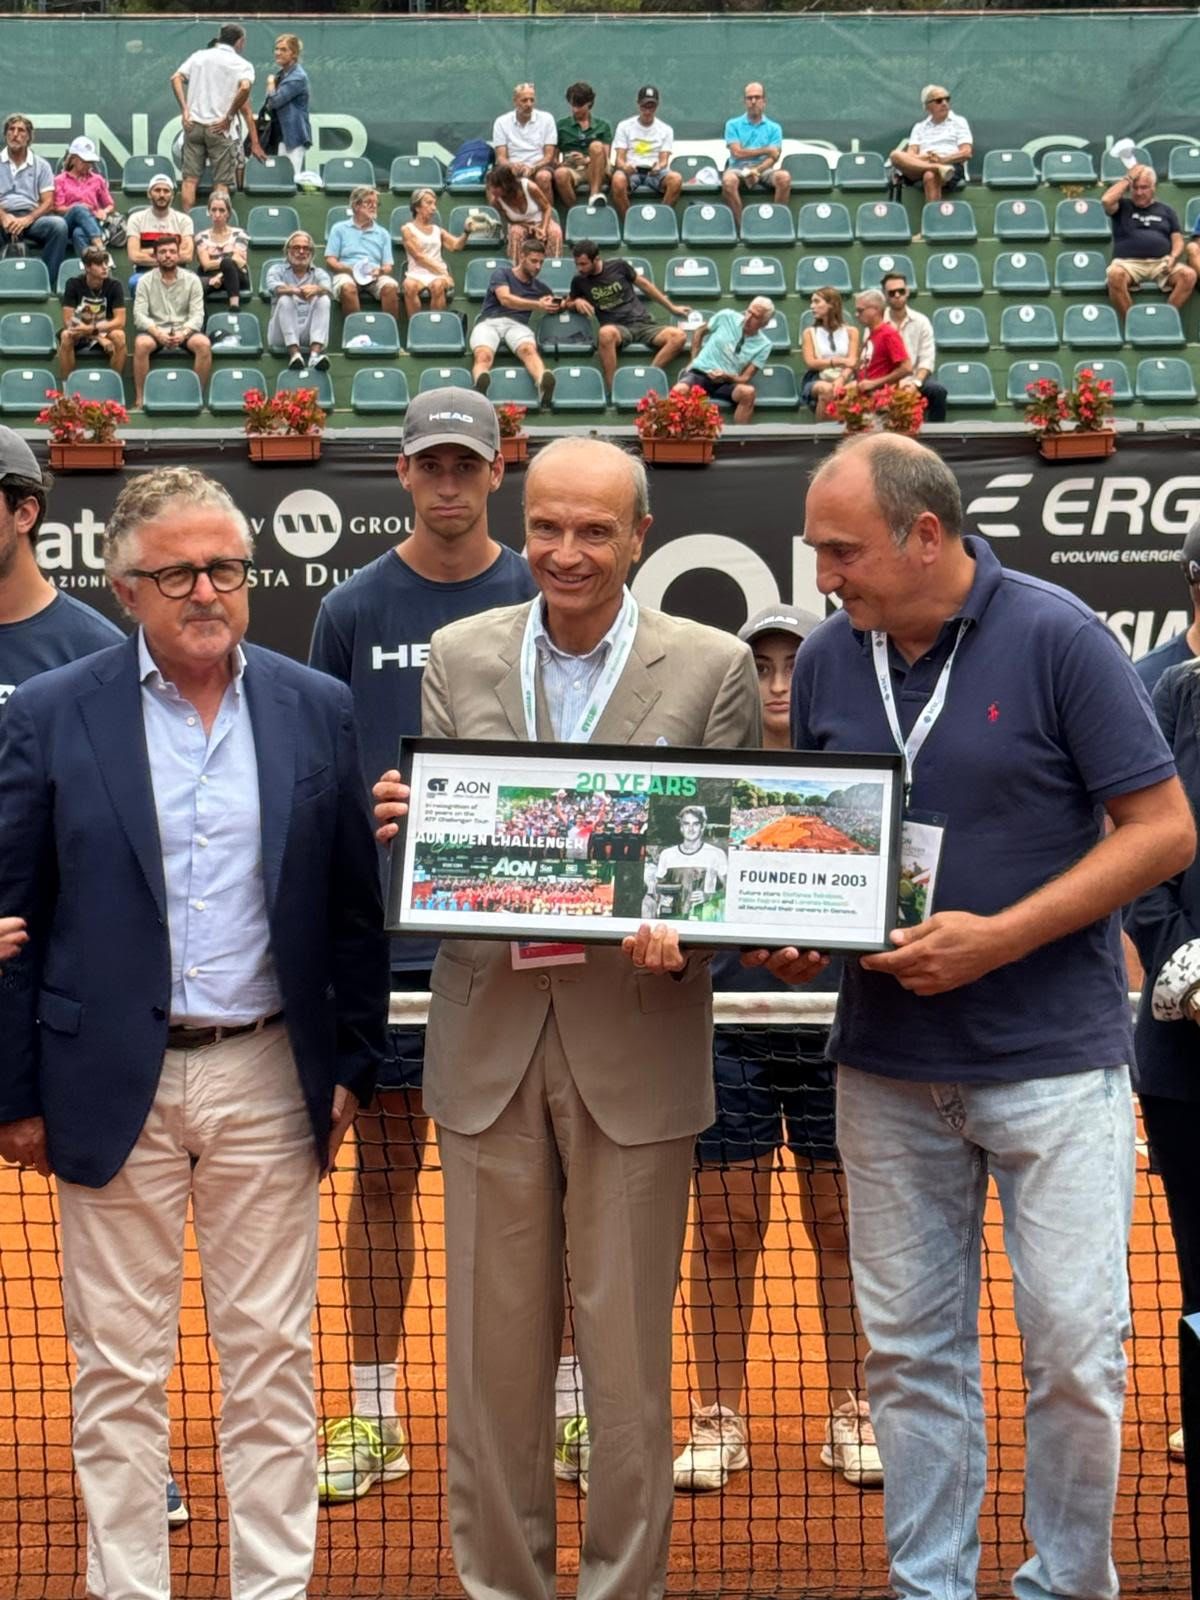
(229, 1130)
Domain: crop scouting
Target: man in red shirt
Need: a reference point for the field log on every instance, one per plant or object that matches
(884, 358)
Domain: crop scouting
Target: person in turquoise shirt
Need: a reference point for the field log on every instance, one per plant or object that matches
(726, 352)
(755, 149)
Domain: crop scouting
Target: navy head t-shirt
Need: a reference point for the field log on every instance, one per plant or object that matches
(1142, 233)
(60, 632)
(373, 633)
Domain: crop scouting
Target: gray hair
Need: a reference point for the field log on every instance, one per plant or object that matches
(633, 465)
(362, 191)
(933, 91)
(146, 497)
(765, 301)
(907, 479)
(872, 297)
(300, 233)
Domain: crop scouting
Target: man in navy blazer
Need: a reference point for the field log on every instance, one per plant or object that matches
(196, 1016)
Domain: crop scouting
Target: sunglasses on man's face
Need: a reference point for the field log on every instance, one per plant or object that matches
(938, 100)
(895, 294)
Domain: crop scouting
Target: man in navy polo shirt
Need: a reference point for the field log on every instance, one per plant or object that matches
(994, 1038)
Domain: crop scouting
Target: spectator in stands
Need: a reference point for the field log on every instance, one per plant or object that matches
(287, 98)
(1184, 646)
(525, 211)
(1147, 242)
(641, 150)
(917, 332)
(168, 314)
(830, 349)
(359, 254)
(755, 145)
(93, 305)
(212, 86)
(148, 224)
(81, 196)
(526, 140)
(300, 295)
(608, 291)
(221, 253)
(885, 358)
(726, 352)
(513, 295)
(27, 198)
(584, 141)
(938, 147)
(425, 269)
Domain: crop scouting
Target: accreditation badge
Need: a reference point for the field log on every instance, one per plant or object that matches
(527, 953)
(922, 834)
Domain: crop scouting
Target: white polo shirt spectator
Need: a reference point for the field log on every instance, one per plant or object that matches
(941, 138)
(525, 141)
(213, 78)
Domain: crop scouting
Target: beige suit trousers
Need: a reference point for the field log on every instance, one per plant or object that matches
(543, 1174)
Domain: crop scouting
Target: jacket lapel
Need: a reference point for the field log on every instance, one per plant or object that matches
(635, 691)
(508, 686)
(273, 715)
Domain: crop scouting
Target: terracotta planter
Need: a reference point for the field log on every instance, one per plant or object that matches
(89, 457)
(514, 449)
(1078, 445)
(679, 452)
(284, 446)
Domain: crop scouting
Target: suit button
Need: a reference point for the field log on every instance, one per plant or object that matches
(157, 1013)
(543, 981)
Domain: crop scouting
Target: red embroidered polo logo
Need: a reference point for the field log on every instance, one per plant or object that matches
(993, 713)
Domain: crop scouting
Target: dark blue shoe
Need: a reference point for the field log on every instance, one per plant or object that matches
(177, 1512)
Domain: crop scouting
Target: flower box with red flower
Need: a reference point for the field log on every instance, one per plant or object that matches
(83, 432)
(678, 428)
(283, 427)
(1084, 408)
(514, 441)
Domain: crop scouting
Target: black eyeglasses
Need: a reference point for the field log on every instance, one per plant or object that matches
(895, 294)
(227, 574)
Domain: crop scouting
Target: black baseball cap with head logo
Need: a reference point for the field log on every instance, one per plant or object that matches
(779, 619)
(648, 94)
(451, 416)
(1189, 556)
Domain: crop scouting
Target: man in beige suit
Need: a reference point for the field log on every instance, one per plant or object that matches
(567, 1098)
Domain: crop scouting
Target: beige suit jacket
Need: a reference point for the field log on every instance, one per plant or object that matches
(639, 1046)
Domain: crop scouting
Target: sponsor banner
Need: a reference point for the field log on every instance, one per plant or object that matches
(726, 540)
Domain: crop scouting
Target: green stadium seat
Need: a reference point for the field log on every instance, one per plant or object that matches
(71, 268)
(1023, 373)
(340, 174)
(379, 389)
(691, 278)
(953, 273)
(631, 383)
(1081, 219)
(557, 272)
(97, 383)
(967, 383)
(514, 387)
(335, 214)
(272, 261)
(1021, 219)
(1112, 167)
(1183, 164)
(578, 389)
(228, 386)
(410, 173)
(1068, 166)
(484, 239)
(307, 378)
(24, 278)
(479, 275)
(861, 169)
(173, 393)
(1080, 272)
(882, 222)
(875, 267)
(1028, 327)
(764, 222)
(775, 389)
(642, 265)
(651, 225)
(1009, 169)
(241, 334)
(566, 333)
(1193, 213)
(275, 175)
(444, 378)
(809, 171)
(1092, 327)
(25, 334)
(690, 168)
(817, 272)
(949, 222)
(960, 328)
(269, 227)
(1160, 379)
(1117, 374)
(824, 222)
(601, 224)
(378, 328)
(436, 333)
(1153, 327)
(138, 170)
(1020, 272)
(778, 332)
(751, 275)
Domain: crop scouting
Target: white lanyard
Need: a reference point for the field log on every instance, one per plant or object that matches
(910, 748)
(622, 644)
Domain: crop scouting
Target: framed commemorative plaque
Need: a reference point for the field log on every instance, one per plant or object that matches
(584, 842)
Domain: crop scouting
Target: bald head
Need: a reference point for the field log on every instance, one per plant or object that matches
(600, 460)
(906, 479)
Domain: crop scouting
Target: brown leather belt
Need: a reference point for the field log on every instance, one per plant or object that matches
(182, 1038)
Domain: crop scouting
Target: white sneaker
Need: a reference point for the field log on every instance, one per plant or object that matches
(850, 1446)
(358, 1454)
(716, 1447)
(1175, 1445)
(572, 1451)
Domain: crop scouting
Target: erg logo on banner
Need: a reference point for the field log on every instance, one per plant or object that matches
(307, 524)
(1095, 504)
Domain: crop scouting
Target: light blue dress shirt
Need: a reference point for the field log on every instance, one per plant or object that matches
(210, 834)
(568, 681)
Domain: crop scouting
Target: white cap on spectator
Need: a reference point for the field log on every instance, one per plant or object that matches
(161, 177)
(83, 148)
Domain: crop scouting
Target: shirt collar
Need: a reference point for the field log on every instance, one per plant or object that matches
(8, 160)
(149, 674)
(986, 581)
(546, 646)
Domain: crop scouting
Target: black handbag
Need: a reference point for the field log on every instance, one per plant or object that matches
(269, 135)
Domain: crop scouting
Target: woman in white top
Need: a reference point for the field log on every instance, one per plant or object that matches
(830, 350)
(525, 211)
(424, 238)
(221, 253)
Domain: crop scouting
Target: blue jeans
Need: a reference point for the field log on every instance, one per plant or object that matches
(82, 228)
(50, 236)
(917, 1158)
